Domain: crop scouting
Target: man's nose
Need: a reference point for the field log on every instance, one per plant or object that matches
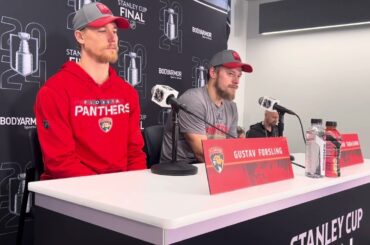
(112, 36)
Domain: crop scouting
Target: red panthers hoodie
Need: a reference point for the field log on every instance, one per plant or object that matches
(85, 128)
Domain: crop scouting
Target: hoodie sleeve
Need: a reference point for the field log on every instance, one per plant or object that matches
(55, 135)
(136, 158)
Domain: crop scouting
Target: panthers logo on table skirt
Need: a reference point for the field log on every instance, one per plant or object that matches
(106, 124)
(217, 158)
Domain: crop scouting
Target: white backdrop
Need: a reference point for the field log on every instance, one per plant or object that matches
(317, 74)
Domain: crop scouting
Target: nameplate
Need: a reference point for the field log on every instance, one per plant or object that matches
(237, 163)
(350, 150)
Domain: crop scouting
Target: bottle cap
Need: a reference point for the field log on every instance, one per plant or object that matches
(331, 124)
(316, 121)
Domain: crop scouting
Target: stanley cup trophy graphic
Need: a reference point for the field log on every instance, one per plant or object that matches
(201, 81)
(80, 3)
(171, 24)
(163, 115)
(24, 59)
(133, 71)
(15, 199)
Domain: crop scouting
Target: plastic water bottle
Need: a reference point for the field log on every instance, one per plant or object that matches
(315, 150)
(333, 143)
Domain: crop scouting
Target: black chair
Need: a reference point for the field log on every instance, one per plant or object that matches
(153, 137)
(32, 174)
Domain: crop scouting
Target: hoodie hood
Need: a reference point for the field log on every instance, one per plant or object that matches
(82, 76)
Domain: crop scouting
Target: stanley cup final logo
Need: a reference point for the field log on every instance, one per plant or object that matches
(23, 61)
(171, 20)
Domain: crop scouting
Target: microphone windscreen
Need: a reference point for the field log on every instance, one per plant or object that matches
(260, 100)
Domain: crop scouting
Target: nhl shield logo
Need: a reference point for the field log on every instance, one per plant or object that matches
(217, 158)
(105, 124)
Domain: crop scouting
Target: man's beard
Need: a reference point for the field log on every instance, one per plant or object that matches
(223, 93)
(104, 57)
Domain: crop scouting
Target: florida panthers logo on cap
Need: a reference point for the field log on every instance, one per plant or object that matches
(217, 158)
(236, 56)
(103, 9)
(105, 124)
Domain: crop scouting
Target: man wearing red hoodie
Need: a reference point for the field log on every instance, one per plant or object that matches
(88, 117)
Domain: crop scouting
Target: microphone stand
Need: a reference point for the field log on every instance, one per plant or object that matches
(281, 130)
(174, 167)
(281, 124)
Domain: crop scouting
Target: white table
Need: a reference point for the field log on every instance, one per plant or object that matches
(165, 209)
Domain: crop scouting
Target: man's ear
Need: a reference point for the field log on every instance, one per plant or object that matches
(79, 37)
(212, 72)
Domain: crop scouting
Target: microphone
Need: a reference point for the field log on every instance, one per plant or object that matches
(165, 96)
(272, 104)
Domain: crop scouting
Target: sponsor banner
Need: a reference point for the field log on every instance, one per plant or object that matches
(170, 42)
(350, 150)
(237, 163)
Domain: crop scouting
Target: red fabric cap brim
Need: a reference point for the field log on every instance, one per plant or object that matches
(245, 67)
(120, 22)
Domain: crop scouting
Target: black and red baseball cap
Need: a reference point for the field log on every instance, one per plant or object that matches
(97, 15)
(230, 59)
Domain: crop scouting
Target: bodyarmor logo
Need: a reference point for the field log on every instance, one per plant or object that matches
(133, 12)
(217, 158)
(27, 122)
(105, 124)
(23, 59)
(203, 33)
(172, 73)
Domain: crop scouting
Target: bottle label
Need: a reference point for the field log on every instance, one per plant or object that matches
(321, 146)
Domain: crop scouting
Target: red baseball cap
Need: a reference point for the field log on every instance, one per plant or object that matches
(230, 59)
(97, 15)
